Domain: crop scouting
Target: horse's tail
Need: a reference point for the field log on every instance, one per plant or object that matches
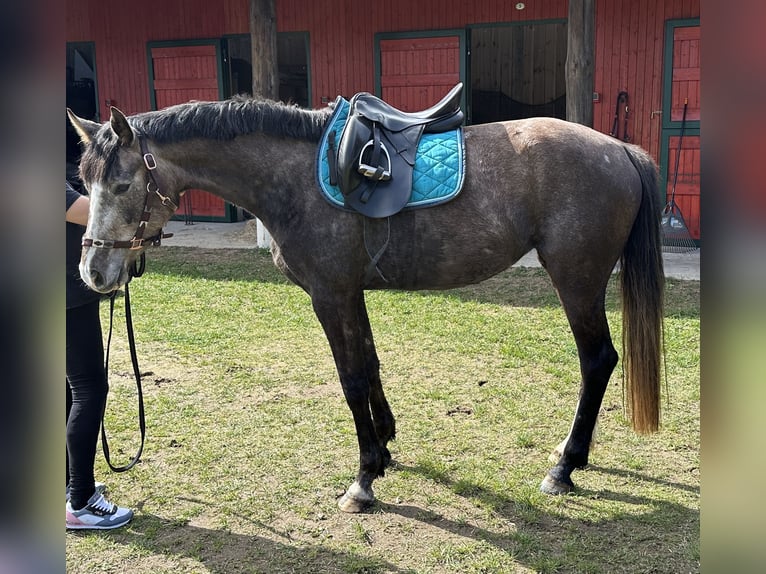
(642, 280)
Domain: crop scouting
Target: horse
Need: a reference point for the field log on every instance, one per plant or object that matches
(586, 202)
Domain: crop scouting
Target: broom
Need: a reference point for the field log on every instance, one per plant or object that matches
(675, 233)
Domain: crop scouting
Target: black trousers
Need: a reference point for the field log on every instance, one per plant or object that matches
(86, 392)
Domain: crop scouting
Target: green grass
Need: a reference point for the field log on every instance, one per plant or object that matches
(249, 440)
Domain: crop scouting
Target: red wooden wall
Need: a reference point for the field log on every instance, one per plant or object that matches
(686, 74)
(630, 38)
(416, 72)
(183, 73)
(121, 31)
(342, 34)
(629, 42)
(629, 47)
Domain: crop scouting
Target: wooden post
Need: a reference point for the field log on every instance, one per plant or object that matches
(580, 58)
(263, 38)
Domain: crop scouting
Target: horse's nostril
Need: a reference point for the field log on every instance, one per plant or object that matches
(96, 279)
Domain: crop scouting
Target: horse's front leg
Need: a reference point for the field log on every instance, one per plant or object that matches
(339, 317)
(383, 418)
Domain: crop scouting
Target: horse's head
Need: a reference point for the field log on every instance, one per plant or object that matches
(128, 205)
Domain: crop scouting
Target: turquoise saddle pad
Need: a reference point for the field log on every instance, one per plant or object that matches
(437, 176)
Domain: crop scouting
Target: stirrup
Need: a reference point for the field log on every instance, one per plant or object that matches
(378, 173)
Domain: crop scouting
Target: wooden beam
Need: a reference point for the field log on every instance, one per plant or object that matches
(263, 38)
(580, 61)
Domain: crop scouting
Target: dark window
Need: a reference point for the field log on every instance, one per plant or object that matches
(292, 62)
(81, 79)
(518, 71)
(80, 92)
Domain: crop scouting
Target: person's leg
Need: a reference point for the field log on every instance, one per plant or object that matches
(86, 507)
(87, 381)
(68, 410)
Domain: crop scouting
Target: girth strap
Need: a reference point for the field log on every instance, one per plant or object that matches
(372, 266)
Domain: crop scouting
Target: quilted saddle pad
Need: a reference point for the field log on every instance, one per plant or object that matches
(438, 174)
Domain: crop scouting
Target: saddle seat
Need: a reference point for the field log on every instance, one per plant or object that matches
(443, 116)
(376, 153)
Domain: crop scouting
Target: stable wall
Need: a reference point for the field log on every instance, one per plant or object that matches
(629, 43)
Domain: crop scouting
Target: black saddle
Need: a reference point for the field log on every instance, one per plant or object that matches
(377, 148)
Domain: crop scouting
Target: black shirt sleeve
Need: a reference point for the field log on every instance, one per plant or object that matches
(77, 293)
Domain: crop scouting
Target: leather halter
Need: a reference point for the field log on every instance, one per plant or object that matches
(153, 199)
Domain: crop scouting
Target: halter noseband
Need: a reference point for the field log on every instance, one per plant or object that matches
(153, 199)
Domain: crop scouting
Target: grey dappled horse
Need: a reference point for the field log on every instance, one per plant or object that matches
(583, 200)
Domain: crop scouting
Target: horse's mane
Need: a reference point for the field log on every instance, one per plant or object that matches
(219, 120)
(223, 120)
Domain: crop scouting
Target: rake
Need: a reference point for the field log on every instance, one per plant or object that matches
(675, 233)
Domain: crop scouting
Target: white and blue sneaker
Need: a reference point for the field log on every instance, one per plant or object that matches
(100, 489)
(98, 514)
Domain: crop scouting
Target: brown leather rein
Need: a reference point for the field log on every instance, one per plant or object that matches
(154, 198)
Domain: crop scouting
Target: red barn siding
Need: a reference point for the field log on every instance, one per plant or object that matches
(629, 51)
(629, 56)
(629, 43)
(686, 73)
(121, 30)
(417, 72)
(342, 34)
(184, 73)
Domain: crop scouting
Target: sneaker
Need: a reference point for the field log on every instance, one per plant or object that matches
(100, 489)
(98, 514)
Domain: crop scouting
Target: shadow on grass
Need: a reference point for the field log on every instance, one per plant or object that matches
(253, 265)
(531, 287)
(224, 552)
(637, 476)
(544, 538)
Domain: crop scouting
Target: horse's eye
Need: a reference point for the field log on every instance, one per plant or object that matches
(122, 188)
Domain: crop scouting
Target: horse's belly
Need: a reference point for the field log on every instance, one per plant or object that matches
(436, 269)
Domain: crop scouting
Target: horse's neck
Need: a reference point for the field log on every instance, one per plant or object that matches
(259, 172)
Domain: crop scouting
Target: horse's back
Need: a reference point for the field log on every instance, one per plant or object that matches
(557, 157)
(563, 188)
(563, 175)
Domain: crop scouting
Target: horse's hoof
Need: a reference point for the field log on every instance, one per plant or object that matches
(356, 499)
(553, 486)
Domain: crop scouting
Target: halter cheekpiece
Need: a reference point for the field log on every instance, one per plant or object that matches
(153, 198)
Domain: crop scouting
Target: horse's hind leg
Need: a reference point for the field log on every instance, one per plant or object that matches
(559, 450)
(382, 417)
(339, 315)
(587, 318)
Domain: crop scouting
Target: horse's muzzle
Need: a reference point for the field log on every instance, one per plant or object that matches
(103, 271)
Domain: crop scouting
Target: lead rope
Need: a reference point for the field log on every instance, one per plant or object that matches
(136, 271)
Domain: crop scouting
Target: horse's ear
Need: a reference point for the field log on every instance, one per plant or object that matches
(121, 127)
(86, 129)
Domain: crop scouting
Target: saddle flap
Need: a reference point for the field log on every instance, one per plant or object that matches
(379, 196)
(355, 135)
